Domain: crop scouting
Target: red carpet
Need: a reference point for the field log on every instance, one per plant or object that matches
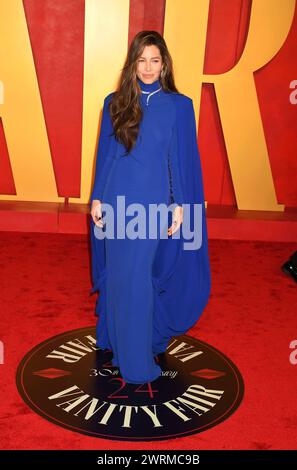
(251, 317)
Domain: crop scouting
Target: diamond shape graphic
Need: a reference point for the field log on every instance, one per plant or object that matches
(52, 373)
(208, 373)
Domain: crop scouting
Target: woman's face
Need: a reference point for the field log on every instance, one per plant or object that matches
(149, 64)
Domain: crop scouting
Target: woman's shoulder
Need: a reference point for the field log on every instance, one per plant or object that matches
(182, 104)
(108, 97)
(180, 99)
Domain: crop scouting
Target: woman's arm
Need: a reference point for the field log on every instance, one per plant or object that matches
(184, 154)
(103, 162)
(174, 168)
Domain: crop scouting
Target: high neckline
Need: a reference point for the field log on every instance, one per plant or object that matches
(149, 86)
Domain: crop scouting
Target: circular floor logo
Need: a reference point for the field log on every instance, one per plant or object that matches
(71, 382)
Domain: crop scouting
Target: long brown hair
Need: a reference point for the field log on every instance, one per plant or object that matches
(124, 107)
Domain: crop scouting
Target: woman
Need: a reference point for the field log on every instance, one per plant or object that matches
(151, 288)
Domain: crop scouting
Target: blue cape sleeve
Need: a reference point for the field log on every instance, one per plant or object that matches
(182, 277)
(103, 161)
(174, 169)
(103, 166)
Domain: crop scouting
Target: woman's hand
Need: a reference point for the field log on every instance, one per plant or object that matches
(177, 220)
(96, 212)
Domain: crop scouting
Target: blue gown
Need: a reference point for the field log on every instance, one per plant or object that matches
(150, 288)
